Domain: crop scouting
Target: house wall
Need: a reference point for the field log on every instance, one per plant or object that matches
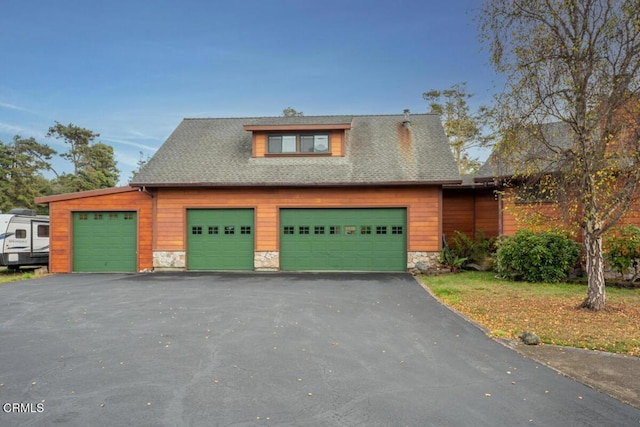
(470, 211)
(423, 214)
(544, 216)
(336, 142)
(61, 217)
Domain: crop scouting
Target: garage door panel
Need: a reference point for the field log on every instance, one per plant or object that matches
(220, 239)
(104, 241)
(343, 239)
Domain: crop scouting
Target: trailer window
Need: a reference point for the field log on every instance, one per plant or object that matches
(21, 234)
(43, 231)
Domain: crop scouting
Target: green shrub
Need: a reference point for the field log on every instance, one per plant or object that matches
(536, 257)
(476, 250)
(623, 250)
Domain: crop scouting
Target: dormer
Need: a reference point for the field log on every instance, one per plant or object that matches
(299, 136)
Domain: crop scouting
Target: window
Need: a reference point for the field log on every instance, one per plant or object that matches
(43, 231)
(245, 230)
(213, 230)
(334, 229)
(318, 229)
(288, 229)
(113, 216)
(128, 215)
(300, 144)
(21, 234)
(196, 229)
(83, 216)
(229, 229)
(381, 229)
(349, 229)
(365, 229)
(303, 230)
(396, 229)
(97, 216)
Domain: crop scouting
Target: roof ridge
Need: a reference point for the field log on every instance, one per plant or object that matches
(303, 117)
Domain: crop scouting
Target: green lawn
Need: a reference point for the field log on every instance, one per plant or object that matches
(509, 308)
(7, 276)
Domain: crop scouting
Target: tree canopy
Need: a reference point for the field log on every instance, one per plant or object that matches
(575, 62)
(25, 164)
(464, 127)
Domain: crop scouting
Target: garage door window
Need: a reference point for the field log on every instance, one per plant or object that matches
(381, 229)
(245, 230)
(213, 230)
(288, 230)
(334, 229)
(196, 230)
(396, 229)
(365, 229)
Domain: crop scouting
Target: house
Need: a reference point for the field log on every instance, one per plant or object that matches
(361, 192)
(523, 202)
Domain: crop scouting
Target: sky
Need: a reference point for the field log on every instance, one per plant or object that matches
(131, 70)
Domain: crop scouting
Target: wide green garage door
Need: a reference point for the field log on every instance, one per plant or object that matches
(343, 239)
(104, 241)
(220, 239)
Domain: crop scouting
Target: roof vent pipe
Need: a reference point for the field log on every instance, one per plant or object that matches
(407, 120)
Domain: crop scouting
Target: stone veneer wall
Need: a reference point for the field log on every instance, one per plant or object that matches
(422, 260)
(169, 260)
(266, 261)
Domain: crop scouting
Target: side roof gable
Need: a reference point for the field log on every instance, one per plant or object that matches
(378, 150)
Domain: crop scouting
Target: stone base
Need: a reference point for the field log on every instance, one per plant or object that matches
(169, 260)
(423, 261)
(266, 261)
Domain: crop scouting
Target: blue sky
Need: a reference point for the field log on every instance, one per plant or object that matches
(132, 70)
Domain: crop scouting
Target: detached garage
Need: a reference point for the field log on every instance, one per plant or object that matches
(332, 193)
(105, 230)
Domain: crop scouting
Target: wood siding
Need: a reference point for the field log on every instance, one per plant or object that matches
(336, 142)
(422, 203)
(60, 214)
(545, 216)
(470, 211)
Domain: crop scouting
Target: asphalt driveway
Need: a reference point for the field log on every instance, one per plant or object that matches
(267, 349)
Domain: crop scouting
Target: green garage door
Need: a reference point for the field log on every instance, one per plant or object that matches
(343, 239)
(220, 239)
(104, 241)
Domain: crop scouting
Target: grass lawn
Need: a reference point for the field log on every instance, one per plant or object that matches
(509, 308)
(7, 276)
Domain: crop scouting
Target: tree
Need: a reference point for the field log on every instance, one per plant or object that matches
(463, 127)
(575, 62)
(291, 112)
(94, 165)
(22, 163)
(139, 164)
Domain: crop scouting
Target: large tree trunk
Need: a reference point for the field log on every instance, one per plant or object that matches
(595, 272)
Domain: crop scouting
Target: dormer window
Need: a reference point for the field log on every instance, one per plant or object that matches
(298, 143)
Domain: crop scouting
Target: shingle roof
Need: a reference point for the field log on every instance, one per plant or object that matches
(378, 150)
(529, 150)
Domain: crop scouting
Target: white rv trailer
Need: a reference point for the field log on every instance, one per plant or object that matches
(24, 238)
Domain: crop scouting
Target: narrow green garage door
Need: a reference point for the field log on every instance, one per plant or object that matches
(220, 239)
(104, 241)
(343, 239)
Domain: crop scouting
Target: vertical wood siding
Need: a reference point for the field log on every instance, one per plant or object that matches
(470, 211)
(60, 214)
(422, 210)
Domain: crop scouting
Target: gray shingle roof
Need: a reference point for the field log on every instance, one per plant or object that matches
(378, 150)
(529, 150)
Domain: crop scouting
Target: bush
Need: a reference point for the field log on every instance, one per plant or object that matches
(476, 250)
(536, 257)
(623, 251)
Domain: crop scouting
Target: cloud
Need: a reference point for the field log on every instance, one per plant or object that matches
(129, 143)
(12, 106)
